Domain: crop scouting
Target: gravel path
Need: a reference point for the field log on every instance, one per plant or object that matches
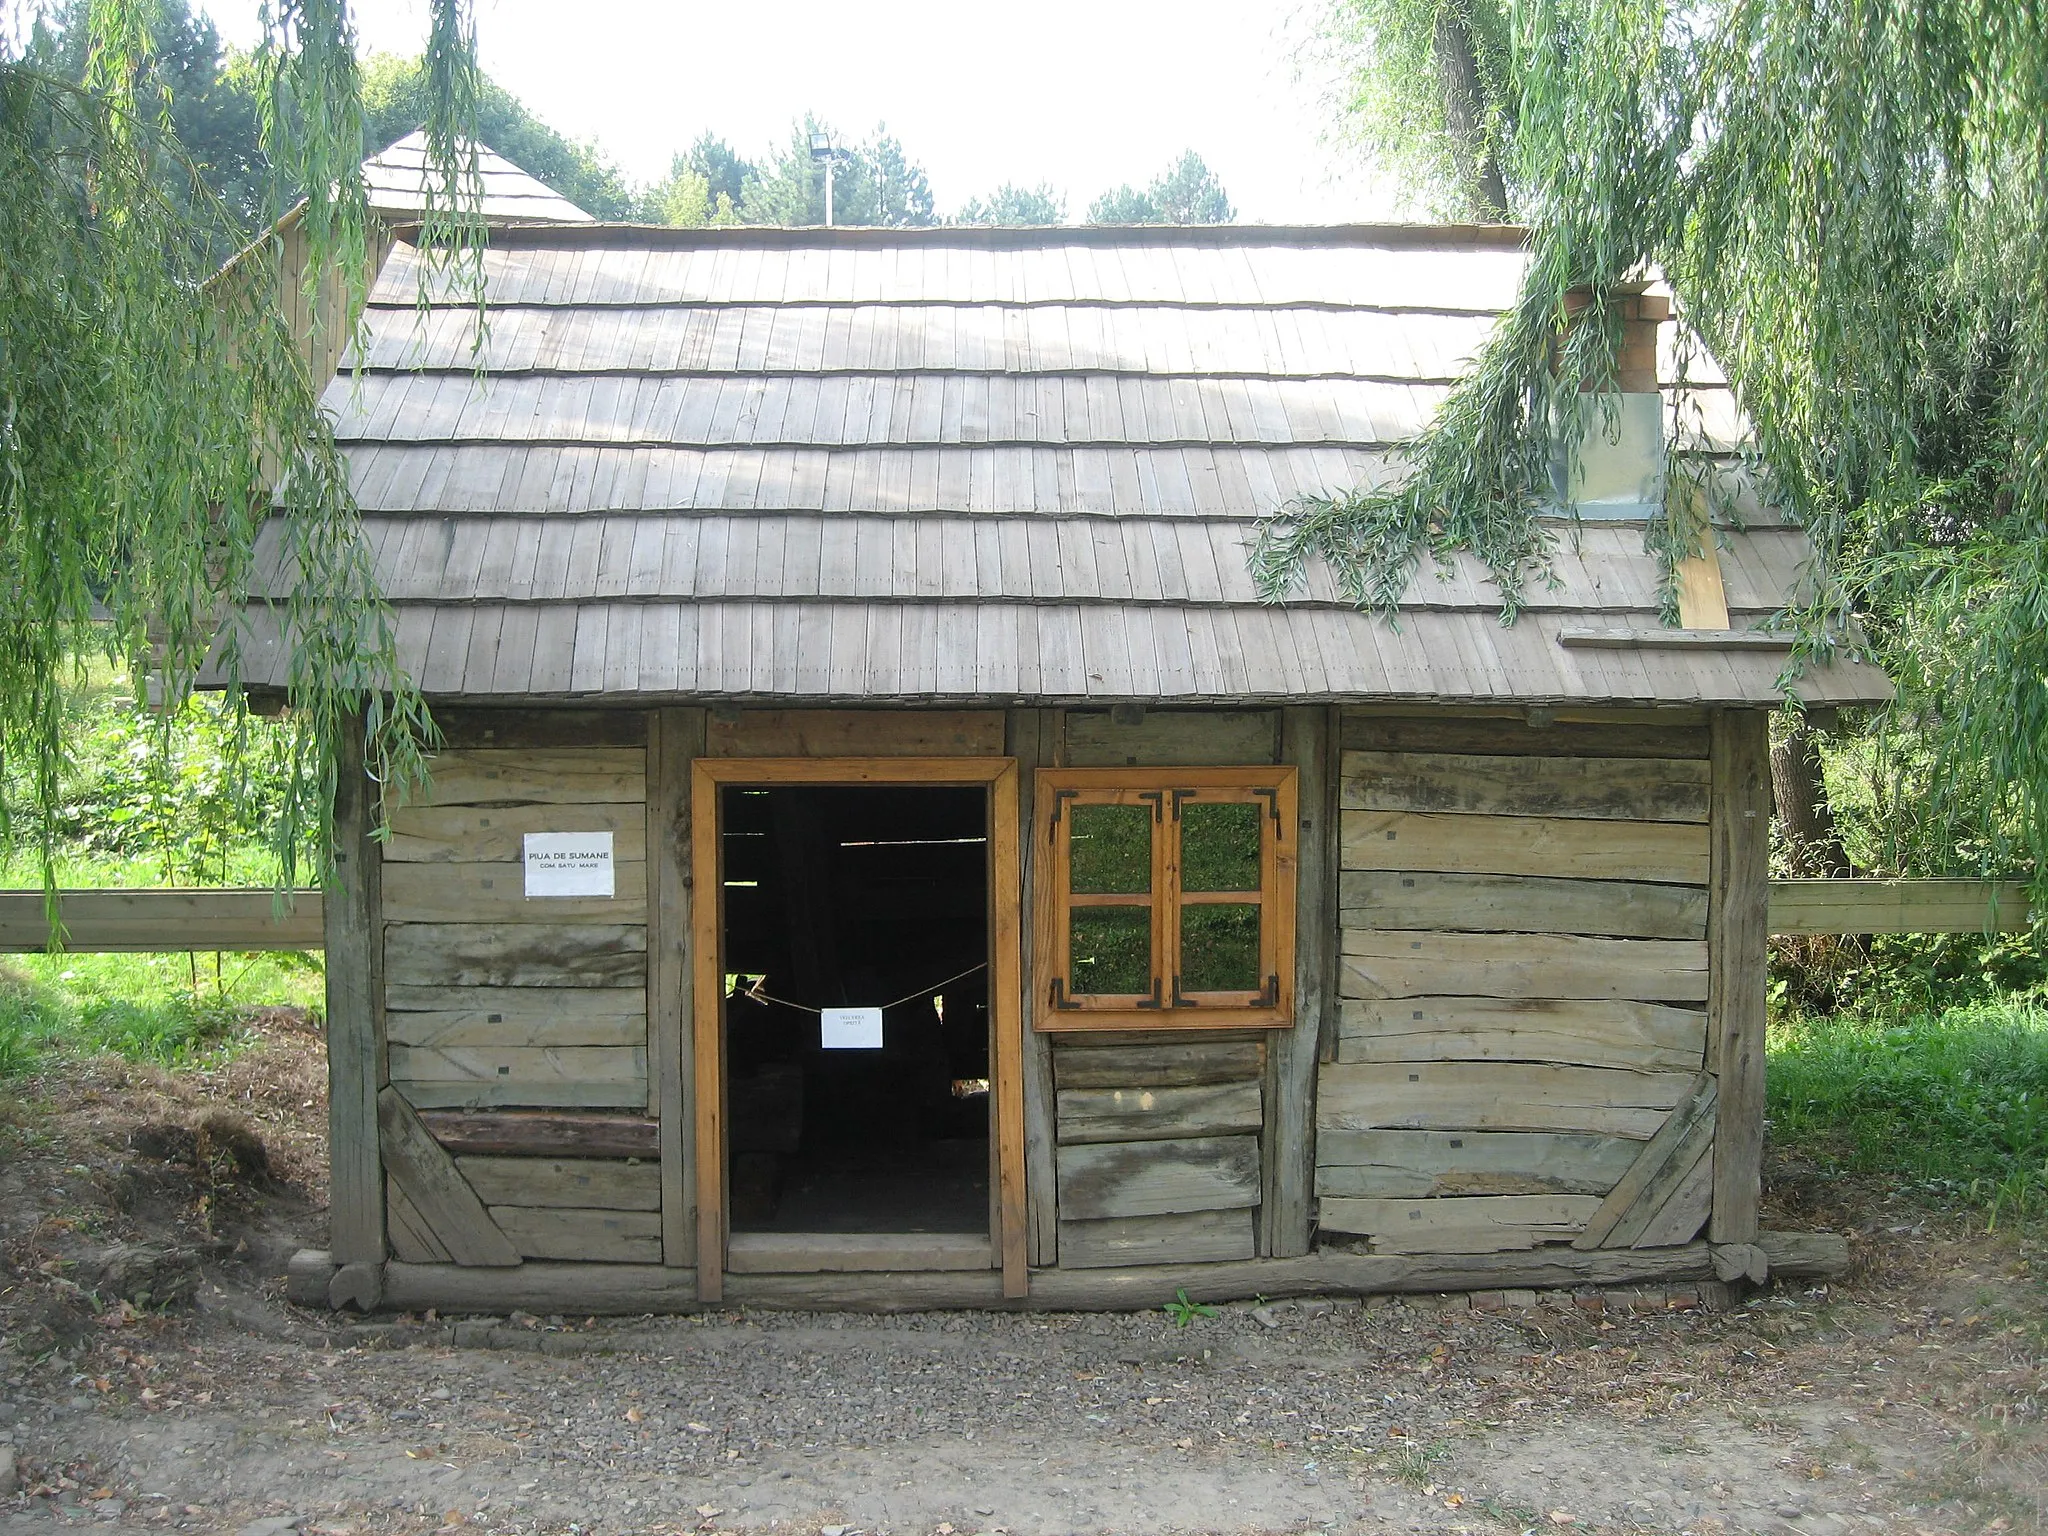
(1338, 1416)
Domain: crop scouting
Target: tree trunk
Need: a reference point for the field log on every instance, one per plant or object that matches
(1457, 64)
(1806, 820)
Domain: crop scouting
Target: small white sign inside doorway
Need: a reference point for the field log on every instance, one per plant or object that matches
(850, 1029)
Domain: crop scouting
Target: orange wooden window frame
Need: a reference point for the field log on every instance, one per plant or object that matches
(1164, 790)
(1005, 978)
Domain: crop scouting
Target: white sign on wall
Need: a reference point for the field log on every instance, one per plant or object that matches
(850, 1029)
(569, 864)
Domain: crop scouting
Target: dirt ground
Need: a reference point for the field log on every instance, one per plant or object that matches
(152, 1377)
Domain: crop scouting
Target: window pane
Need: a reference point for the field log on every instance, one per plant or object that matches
(1110, 851)
(1112, 950)
(1219, 846)
(1219, 949)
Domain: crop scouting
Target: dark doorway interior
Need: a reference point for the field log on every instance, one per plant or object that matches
(857, 896)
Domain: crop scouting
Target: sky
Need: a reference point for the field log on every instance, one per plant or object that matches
(1085, 94)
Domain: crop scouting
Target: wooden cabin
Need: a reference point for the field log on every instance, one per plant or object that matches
(885, 853)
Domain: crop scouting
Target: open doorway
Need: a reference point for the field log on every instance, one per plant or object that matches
(856, 897)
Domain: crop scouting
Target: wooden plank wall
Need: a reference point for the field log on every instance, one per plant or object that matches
(1158, 1138)
(537, 1008)
(1523, 976)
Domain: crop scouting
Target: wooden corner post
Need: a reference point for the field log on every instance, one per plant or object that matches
(707, 1034)
(355, 953)
(1738, 927)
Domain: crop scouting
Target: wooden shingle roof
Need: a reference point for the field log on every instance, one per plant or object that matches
(396, 180)
(966, 465)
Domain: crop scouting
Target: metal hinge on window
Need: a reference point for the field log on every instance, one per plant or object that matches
(1272, 799)
(1059, 994)
(1060, 797)
(1157, 797)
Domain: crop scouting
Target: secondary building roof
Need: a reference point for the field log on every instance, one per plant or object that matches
(397, 180)
(968, 465)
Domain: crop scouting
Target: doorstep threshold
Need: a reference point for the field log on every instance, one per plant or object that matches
(811, 1253)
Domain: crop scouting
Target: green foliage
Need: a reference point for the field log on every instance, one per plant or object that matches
(1183, 1312)
(873, 183)
(152, 416)
(398, 93)
(1953, 1105)
(1013, 206)
(185, 798)
(1391, 61)
(1850, 200)
(210, 97)
(1186, 192)
(165, 1009)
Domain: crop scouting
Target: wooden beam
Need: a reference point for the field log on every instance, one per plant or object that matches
(1899, 906)
(1031, 741)
(707, 1035)
(1287, 1154)
(1006, 1019)
(1738, 926)
(355, 1049)
(543, 1133)
(156, 921)
(1642, 1190)
(437, 1189)
(613, 1289)
(675, 740)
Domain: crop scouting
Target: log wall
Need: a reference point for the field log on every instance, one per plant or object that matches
(1524, 980)
(516, 1028)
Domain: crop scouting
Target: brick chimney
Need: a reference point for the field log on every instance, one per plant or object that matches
(1620, 471)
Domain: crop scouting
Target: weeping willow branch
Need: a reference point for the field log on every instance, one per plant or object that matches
(153, 421)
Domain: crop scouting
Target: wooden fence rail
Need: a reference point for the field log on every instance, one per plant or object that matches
(172, 920)
(148, 921)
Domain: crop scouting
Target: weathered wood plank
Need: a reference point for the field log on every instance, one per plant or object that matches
(354, 1053)
(1491, 1096)
(438, 1192)
(412, 1239)
(1738, 934)
(1158, 1114)
(1511, 965)
(1689, 1125)
(1187, 1237)
(520, 1020)
(543, 1133)
(453, 834)
(153, 921)
(1171, 738)
(1157, 1178)
(634, 1288)
(1587, 1032)
(1525, 845)
(466, 727)
(1032, 739)
(1287, 1150)
(1682, 1215)
(602, 1237)
(809, 1253)
(1678, 734)
(516, 954)
(591, 1002)
(598, 1184)
(561, 1076)
(1177, 1065)
(1006, 1025)
(1899, 906)
(1598, 788)
(1630, 909)
(549, 775)
(1479, 1224)
(676, 739)
(496, 892)
(857, 733)
(1412, 1165)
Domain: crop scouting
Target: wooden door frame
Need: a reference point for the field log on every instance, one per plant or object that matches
(1005, 981)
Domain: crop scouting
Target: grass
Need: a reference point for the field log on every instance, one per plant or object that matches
(166, 1009)
(1953, 1105)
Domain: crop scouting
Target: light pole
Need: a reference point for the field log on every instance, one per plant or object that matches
(822, 153)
